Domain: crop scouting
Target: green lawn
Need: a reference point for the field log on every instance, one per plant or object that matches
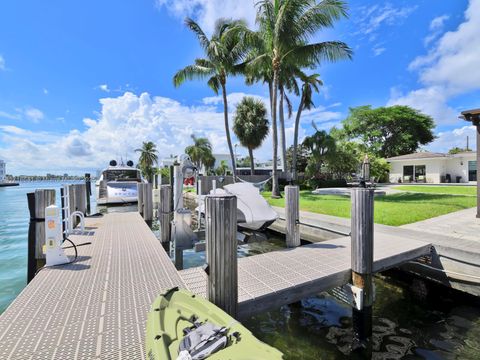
(395, 209)
(452, 190)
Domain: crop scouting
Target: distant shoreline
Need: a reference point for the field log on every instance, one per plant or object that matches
(8, 184)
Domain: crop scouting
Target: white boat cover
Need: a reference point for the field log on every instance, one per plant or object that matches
(253, 210)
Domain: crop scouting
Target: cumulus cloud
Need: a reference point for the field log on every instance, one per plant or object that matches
(449, 69)
(456, 137)
(2, 63)
(122, 124)
(206, 12)
(34, 114)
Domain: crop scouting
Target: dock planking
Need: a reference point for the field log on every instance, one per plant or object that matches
(281, 277)
(96, 308)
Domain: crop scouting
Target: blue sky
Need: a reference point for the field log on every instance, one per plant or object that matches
(84, 82)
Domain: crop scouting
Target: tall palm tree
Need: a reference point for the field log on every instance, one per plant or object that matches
(200, 152)
(250, 124)
(223, 53)
(285, 28)
(148, 157)
(310, 83)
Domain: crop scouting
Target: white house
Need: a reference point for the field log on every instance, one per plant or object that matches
(434, 168)
(3, 170)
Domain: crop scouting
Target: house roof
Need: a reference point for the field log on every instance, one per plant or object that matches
(419, 155)
(429, 155)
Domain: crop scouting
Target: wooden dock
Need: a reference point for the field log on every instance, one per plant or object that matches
(96, 308)
(285, 276)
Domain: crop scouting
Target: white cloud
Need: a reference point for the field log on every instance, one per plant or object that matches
(4, 114)
(430, 100)
(449, 69)
(34, 114)
(372, 18)
(122, 124)
(378, 50)
(104, 87)
(206, 12)
(436, 28)
(2, 63)
(45, 91)
(456, 137)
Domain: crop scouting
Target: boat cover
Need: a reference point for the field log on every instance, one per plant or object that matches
(252, 206)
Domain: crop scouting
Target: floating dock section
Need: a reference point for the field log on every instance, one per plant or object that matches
(96, 308)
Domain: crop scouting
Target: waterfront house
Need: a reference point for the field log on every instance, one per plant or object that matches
(430, 167)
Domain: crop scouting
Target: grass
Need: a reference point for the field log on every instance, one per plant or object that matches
(396, 209)
(451, 190)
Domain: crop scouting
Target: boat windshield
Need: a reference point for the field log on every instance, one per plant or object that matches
(122, 175)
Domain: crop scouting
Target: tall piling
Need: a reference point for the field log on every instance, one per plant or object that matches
(37, 202)
(362, 268)
(88, 186)
(292, 215)
(140, 197)
(148, 203)
(221, 230)
(165, 213)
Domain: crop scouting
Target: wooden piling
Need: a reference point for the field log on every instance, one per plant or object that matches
(148, 202)
(88, 186)
(39, 201)
(102, 189)
(80, 199)
(362, 267)
(292, 214)
(221, 230)
(164, 213)
(140, 197)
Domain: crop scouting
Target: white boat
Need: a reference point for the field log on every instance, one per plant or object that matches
(253, 211)
(118, 184)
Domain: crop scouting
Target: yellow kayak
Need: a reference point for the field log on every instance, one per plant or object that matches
(182, 326)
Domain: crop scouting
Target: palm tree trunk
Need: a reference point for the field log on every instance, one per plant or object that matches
(283, 145)
(295, 141)
(227, 130)
(252, 164)
(275, 187)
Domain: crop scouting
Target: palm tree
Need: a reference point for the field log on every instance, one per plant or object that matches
(200, 152)
(321, 145)
(285, 28)
(148, 157)
(250, 124)
(223, 52)
(310, 84)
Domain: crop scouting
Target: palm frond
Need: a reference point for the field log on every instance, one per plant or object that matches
(191, 72)
(202, 38)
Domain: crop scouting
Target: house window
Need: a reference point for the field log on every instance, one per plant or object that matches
(472, 171)
(408, 173)
(420, 172)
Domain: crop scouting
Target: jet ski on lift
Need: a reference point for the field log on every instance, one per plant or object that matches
(253, 211)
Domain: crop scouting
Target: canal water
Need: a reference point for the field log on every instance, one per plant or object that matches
(411, 321)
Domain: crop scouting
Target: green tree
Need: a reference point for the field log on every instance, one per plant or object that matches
(321, 147)
(285, 27)
(310, 83)
(222, 169)
(250, 124)
(301, 158)
(223, 52)
(388, 131)
(200, 152)
(457, 150)
(148, 158)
